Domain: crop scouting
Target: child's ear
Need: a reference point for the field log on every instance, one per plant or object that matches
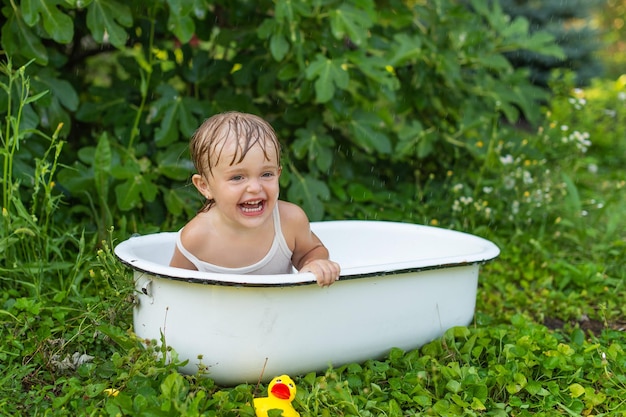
(202, 185)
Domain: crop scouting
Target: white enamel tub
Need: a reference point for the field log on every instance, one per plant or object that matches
(402, 285)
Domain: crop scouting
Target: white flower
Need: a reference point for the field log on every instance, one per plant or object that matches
(506, 160)
(583, 144)
(509, 182)
(527, 177)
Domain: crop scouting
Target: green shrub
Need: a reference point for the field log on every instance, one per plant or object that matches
(363, 95)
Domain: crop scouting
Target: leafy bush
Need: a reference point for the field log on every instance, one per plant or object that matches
(364, 95)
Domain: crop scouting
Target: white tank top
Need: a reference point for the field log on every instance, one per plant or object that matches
(276, 261)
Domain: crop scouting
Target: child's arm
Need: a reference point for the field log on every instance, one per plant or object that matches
(191, 241)
(316, 261)
(180, 261)
(309, 253)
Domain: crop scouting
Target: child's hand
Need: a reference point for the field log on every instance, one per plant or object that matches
(326, 272)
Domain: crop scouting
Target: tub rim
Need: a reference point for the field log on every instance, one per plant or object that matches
(123, 252)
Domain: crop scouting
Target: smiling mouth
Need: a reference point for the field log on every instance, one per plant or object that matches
(252, 206)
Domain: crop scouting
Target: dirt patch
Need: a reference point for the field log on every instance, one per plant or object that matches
(585, 323)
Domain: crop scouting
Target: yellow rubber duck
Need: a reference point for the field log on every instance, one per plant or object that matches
(280, 393)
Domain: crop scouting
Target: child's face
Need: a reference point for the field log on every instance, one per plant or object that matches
(245, 193)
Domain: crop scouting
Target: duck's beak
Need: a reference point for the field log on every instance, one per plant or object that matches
(281, 391)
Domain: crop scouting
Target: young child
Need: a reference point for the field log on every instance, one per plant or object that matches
(243, 228)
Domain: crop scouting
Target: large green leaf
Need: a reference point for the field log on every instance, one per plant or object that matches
(182, 26)
(126, 171)
(309, 192)
(352, 22)
(328, 74)
(404, 49)
(494, 61)
(57, 24)
(109, 17)
(179, 22)
(129, 192)
(409, 135)
(30, 119)
(284, 11)
(184, 199)
(289, 10)
(176, 115)
(317, 148)
(19, 39)
(378, 70)
(60, 89)
(279, 46)
(181, 7)
(544, 43)
(173, 202)
(367, 135)
(518, 28)
(173, 162)
(54, 115)
(167, 132)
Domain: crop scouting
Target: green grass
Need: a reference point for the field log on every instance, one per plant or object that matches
(547, 339)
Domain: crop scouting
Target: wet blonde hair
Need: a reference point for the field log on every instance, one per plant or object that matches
(208, 141)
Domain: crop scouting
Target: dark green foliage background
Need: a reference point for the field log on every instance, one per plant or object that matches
(368, 98)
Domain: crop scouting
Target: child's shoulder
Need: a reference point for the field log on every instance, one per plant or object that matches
(291, 212)
(194, 232)
(294, 222)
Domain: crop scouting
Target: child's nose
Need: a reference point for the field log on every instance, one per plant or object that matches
(254, 186)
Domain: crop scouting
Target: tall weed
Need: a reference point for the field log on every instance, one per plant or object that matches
(51, 300)
(34, 247)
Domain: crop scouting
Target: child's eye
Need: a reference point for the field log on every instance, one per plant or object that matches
(236, 178)
(268, 174)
